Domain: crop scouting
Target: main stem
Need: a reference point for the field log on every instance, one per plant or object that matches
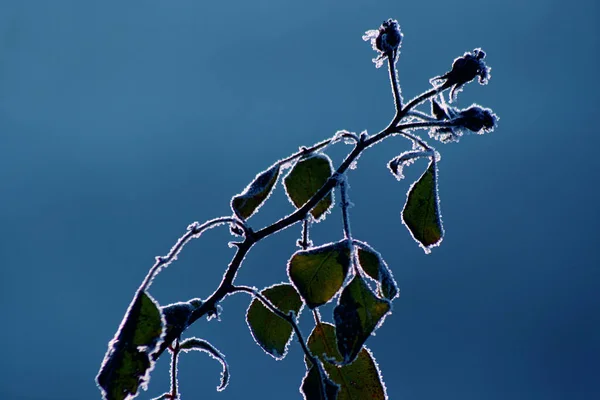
(251, 238)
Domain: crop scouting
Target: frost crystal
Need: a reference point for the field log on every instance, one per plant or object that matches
(405, 159)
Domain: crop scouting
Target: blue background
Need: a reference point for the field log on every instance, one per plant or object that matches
(122, 122)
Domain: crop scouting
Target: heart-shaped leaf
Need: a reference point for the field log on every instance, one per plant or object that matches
(358, 313)
(270, 331)
(318, 273)
(305, 179)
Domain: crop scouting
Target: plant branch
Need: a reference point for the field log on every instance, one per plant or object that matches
(193, 231)
(251, 238)
(395, 88)
(174, 382)
(421, 115)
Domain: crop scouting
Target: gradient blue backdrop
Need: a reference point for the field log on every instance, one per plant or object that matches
(123, 121)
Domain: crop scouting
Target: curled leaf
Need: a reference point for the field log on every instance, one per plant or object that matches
(253, 196)
(202, 345)
(374, 266)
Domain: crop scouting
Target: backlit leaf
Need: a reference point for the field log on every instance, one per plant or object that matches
(249, 201)
(270, 331)
(371, 262)
(305, 179)
(357, 315)
(128, 361)
(359, 380)
(318, 273)
(421, 214)
(313, 388)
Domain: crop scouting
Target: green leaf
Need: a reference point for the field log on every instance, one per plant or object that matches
(371, 262)
(312, 386)
(194, 343)
(359, 380)
(421, 214)
(358, 313)
(245, 204)
(128, 361)
(305, 179)
(318, 273)
(272, 333)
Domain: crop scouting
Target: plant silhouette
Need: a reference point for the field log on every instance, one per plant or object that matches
(346, 270)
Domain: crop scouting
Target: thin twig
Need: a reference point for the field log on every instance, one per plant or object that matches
(194, 231)
(395, 89)
(174, 382)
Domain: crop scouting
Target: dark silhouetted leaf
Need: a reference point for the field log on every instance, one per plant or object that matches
(305, 179)
(374, 266)
(356, 316)
(357, 381)
(421, 214)
(270, 331)
(318, 273)
(177, 314)
(202, 345)
(312, 386)
(249, 201)
(128, 361)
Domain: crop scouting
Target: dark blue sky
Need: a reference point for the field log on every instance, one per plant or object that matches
(122, 122)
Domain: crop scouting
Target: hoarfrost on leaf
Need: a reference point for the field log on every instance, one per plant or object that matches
(396, 165)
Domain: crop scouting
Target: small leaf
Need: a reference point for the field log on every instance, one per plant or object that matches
(305, 179)
(318, 273)
(358, 313)
(127, 364)
(421, 213)
(177, 314)
(271, 332)
(371, 262)
(312, 386)
(202, 345)
(359, 380)
(249, 201)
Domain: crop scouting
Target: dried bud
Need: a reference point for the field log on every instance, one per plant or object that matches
(477, 119)
(464, 70)
(386, 41)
